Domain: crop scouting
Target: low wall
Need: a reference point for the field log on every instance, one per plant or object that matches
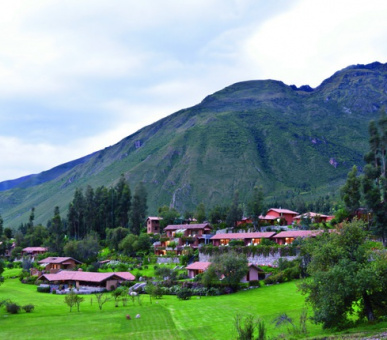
(168, 260)
(262, 260)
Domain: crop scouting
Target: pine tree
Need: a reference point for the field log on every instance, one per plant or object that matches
(139, 209)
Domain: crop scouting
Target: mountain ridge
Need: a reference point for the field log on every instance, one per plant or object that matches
(290, 140)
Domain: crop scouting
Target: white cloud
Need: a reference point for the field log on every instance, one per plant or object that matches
(316, 38)
(77, 76)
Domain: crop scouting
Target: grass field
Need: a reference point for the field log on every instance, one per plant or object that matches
(167, 318)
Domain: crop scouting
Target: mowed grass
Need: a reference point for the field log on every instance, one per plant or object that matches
(167, 318)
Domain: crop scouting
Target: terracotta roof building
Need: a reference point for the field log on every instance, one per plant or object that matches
(79, 278)
(248, 238)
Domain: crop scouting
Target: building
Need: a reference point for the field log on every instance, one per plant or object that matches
(153, 225)
(287, 237)
(282, 216)
(34, 251)
(313, 217)
(56, 264)
(79, 279)
(249, 239)
(179, 236)
(254, 273)
(197, 268)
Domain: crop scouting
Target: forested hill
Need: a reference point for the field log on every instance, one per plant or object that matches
(289, 140)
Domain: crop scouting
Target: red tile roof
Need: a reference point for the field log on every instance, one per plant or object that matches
(31, 249)
(66, 275)
(241, 236)
(58, 260)
(198, 266)
(298, 233)
(187, 226)
(153, 218)
(311, 214)
(282, 211)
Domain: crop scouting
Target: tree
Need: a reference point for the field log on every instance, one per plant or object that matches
(75, 215)
(101, 299)
(1, 226)
(115, 236)
(350, 192)
(122, 202)
(232, 266)
(70, 300)
(200, 214)
(169, 216)
(218, 214)
(342, 279)
(235, 213)
(2, 265)
(139, 209)
(128, 244)
(85, 250)
(55, 228)
(374, 179)
(255, 206)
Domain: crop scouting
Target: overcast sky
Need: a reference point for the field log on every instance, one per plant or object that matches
(78, 76)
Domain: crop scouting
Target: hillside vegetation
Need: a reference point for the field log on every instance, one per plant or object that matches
(289, 140)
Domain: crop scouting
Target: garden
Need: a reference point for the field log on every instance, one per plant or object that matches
(201, 317)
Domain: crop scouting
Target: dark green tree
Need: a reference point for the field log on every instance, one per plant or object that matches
(342, 279)
(200, 213)
(218, 214)
(351, 191)
(76, 214)
(231, 266)
(374, 179)
(235, 212)
(85, 250)
(90, 211)
(122, 202)
(169, 216)
(139, 209)
(255, 206)
(115, 236)
(1, 226)
(55, 241)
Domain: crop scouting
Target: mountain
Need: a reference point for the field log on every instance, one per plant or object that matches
(290, 140)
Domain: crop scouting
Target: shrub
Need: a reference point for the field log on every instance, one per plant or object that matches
(254, 283)
(43, 289)
(184, 293)
(28, 308)
(12, 308)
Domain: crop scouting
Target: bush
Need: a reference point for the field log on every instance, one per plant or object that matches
(43, 289)
(254, 283)
(184, 293)
(28, 308)
(12, 308)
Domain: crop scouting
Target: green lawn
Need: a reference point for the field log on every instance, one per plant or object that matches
(167, 318)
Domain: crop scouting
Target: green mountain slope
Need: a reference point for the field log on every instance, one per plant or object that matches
(285, 138)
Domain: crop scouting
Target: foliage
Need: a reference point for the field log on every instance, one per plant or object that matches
(85, 250)
(350, 192)
(28, 308)
(255, 205)
(169, 215)
(101, 299)
(184, 293)
(43, 289)
(246, 327)
(345, 273)
(139, 209)
(12, 308)
(200, 213)
(231, 266)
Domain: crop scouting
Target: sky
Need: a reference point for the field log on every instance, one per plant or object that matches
(79, 76)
